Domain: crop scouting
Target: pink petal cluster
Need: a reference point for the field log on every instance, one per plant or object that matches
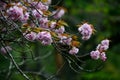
(95, 54)
(103, 46)
(60, 30)
(74, 50)
(25, 17)
(86, 31)
(15, 13)
(3, 49)
(103, 56)
(30, 36)
(44, 37)
(99, 53)
(44, 22)
(40, 5)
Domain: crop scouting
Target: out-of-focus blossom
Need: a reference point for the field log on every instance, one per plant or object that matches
(74, 50)
(3, 49)
(58, 13)
(2, 5)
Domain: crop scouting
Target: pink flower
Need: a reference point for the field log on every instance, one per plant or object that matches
(44, 37)
(37, 14)
(15, 13)
(39, 5)
(103, 46)
(86, 31)
(25, 17)
(60, 30)
(43, 22)
(95, 54)
(103, 56)
(58, 13)
(105, 42)
(30, 36)
(3, 49)
(74, 50)
(65, 40)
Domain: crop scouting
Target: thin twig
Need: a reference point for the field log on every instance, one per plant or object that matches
(12, 59)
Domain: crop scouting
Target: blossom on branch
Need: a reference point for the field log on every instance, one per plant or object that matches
(86, 31)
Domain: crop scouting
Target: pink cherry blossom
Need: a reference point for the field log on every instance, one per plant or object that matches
(15, 13)
(86, 31)
(105, 42)
(30, 36)
(40, 5)
(103, 46)
(44, 37)
(74, 50)
(103, 56)
(44, 22)
(95, 54)
(25, 17)
(60, 30)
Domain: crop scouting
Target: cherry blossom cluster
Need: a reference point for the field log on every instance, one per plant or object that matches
(17, 11)
(39, 23)
(100, 50)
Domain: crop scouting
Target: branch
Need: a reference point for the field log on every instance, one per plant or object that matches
(12, 59)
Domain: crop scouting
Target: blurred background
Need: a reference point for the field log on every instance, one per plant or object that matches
(104, 15)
